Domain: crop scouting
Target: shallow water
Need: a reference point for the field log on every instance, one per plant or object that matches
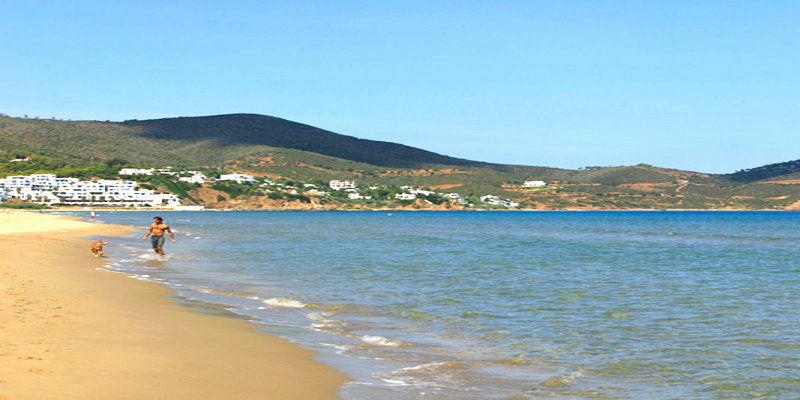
(505, 305)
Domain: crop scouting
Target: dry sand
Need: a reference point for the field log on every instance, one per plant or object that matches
(69, 331)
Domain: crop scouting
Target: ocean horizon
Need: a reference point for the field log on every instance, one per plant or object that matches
(501, 305)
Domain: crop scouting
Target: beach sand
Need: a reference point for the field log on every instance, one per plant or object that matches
(69, 331)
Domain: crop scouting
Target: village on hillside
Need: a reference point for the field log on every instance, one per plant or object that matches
(50, 190)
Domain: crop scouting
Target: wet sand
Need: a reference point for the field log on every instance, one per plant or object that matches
(69, 331)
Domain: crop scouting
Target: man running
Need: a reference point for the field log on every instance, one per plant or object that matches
(157, 229)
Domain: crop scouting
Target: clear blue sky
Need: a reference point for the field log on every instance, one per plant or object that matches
(712, 86)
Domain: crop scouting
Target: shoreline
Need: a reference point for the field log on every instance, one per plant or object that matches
(69, 331)
(81, 209)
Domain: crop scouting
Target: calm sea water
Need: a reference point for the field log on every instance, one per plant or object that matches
(504, 305)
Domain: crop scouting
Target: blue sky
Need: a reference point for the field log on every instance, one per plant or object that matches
(711, 86)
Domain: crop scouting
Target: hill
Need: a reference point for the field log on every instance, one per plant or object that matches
(279, 149)
(253, 130)
(766, 172)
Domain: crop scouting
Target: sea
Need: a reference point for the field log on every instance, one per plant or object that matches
(501, 305)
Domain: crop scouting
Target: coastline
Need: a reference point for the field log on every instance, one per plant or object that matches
(69, 331)
(162, 210)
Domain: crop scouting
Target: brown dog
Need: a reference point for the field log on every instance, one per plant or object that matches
(97, 248)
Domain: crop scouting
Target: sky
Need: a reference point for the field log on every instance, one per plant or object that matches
(708, 86)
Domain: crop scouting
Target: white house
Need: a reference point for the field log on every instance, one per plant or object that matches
(135, 171)
(358, 196)
(197, 177)
(316, 192)
(405, 196)
(238, 178)
(494, 200)
(166, 171)
(534, 184)
(456, 198)
(342, 185)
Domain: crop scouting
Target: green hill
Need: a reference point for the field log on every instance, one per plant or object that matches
(277, 148)
(614, 176)
(254, 130)
(240, 142)
(765, 172)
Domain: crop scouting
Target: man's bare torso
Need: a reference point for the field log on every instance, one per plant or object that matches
(158, 229)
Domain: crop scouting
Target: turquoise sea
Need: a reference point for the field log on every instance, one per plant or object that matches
(503, 305)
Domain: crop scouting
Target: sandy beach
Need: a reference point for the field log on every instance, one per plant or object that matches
(70, 331)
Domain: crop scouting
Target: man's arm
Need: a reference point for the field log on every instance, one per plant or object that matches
(171, 236)
(148, 233)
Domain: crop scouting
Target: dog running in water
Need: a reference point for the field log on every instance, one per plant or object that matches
(97, 248)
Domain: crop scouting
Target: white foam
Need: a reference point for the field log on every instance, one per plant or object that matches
(341, 347)
(380, 341)
(432, 374)
(322, 322)
(396, 382)
(282, 302)
(431, 365)
(140, 277)
(153, 257)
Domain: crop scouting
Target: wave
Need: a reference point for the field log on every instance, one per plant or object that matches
(380, 341)
(283, 302)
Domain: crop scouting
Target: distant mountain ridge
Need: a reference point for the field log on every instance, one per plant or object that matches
(255, 129)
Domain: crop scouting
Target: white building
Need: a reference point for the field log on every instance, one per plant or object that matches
(135, 171)
(47, 189)
(166, 171)
(456, 198)
(405, 196)
(238, 178)
(358, 196)
(494, 200)
(316, 192)
(342, 185)
(197, 177)
(534, 184)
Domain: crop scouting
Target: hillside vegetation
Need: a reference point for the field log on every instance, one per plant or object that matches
(276, 148)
